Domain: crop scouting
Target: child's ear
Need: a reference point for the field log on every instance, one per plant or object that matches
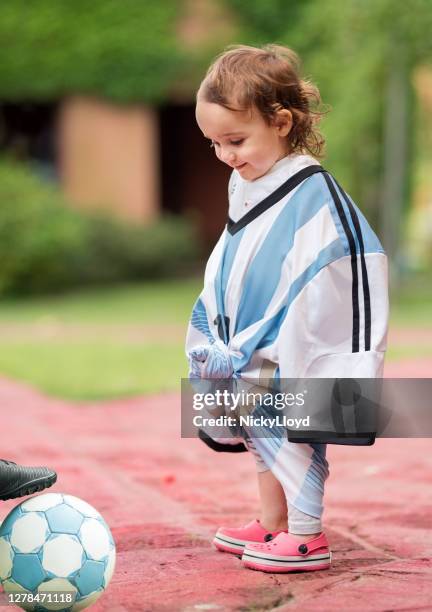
(283, 121)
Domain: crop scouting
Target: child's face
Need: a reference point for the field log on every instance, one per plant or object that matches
(242, 139)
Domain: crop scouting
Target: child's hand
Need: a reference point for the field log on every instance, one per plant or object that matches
(210, 361)
(197, 359)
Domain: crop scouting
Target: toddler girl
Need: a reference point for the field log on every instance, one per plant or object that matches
(296, 286)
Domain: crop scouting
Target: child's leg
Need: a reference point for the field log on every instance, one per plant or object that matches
(301, 470)
(274, 513)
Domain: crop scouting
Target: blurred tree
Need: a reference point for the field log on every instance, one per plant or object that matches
(361, 54)
(125, 50)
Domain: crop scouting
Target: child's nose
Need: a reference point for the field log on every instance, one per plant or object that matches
(228, 157)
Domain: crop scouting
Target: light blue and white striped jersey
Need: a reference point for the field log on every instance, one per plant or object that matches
(296, 286)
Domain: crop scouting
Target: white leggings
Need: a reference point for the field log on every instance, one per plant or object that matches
(301, 470)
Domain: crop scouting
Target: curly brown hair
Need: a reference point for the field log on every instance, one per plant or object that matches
(268, 78)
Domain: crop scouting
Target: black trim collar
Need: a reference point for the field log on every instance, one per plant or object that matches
(270, 200)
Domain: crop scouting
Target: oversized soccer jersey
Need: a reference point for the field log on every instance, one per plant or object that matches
(296, 287)
(297, 284)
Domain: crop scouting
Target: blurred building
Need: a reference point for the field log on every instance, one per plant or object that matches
(135, 161)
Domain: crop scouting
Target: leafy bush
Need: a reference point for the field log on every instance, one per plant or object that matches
(126, 51)
(119, 251)
(46, 245)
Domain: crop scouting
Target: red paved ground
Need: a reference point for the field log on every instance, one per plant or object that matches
(164, 497)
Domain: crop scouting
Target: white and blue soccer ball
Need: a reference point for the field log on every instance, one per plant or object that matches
(53, 544)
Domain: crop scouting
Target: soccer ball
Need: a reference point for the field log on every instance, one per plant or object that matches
(56, 553)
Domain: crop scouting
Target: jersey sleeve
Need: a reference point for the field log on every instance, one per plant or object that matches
(337, 325)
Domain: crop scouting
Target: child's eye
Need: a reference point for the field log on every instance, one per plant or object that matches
(232, 142)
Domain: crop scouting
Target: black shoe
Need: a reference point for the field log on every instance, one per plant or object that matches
(19, 480)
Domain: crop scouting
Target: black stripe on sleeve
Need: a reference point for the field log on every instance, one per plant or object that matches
(352, 247)
(366, 291)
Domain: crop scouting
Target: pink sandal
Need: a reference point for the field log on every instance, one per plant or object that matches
(234, 539)
(286, 554)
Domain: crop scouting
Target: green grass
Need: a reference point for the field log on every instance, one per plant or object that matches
(411, 303)
(408, 352)
(159, 302)
(85, 368)
(82, 369)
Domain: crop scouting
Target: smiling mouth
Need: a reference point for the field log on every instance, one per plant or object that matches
(241, 166)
